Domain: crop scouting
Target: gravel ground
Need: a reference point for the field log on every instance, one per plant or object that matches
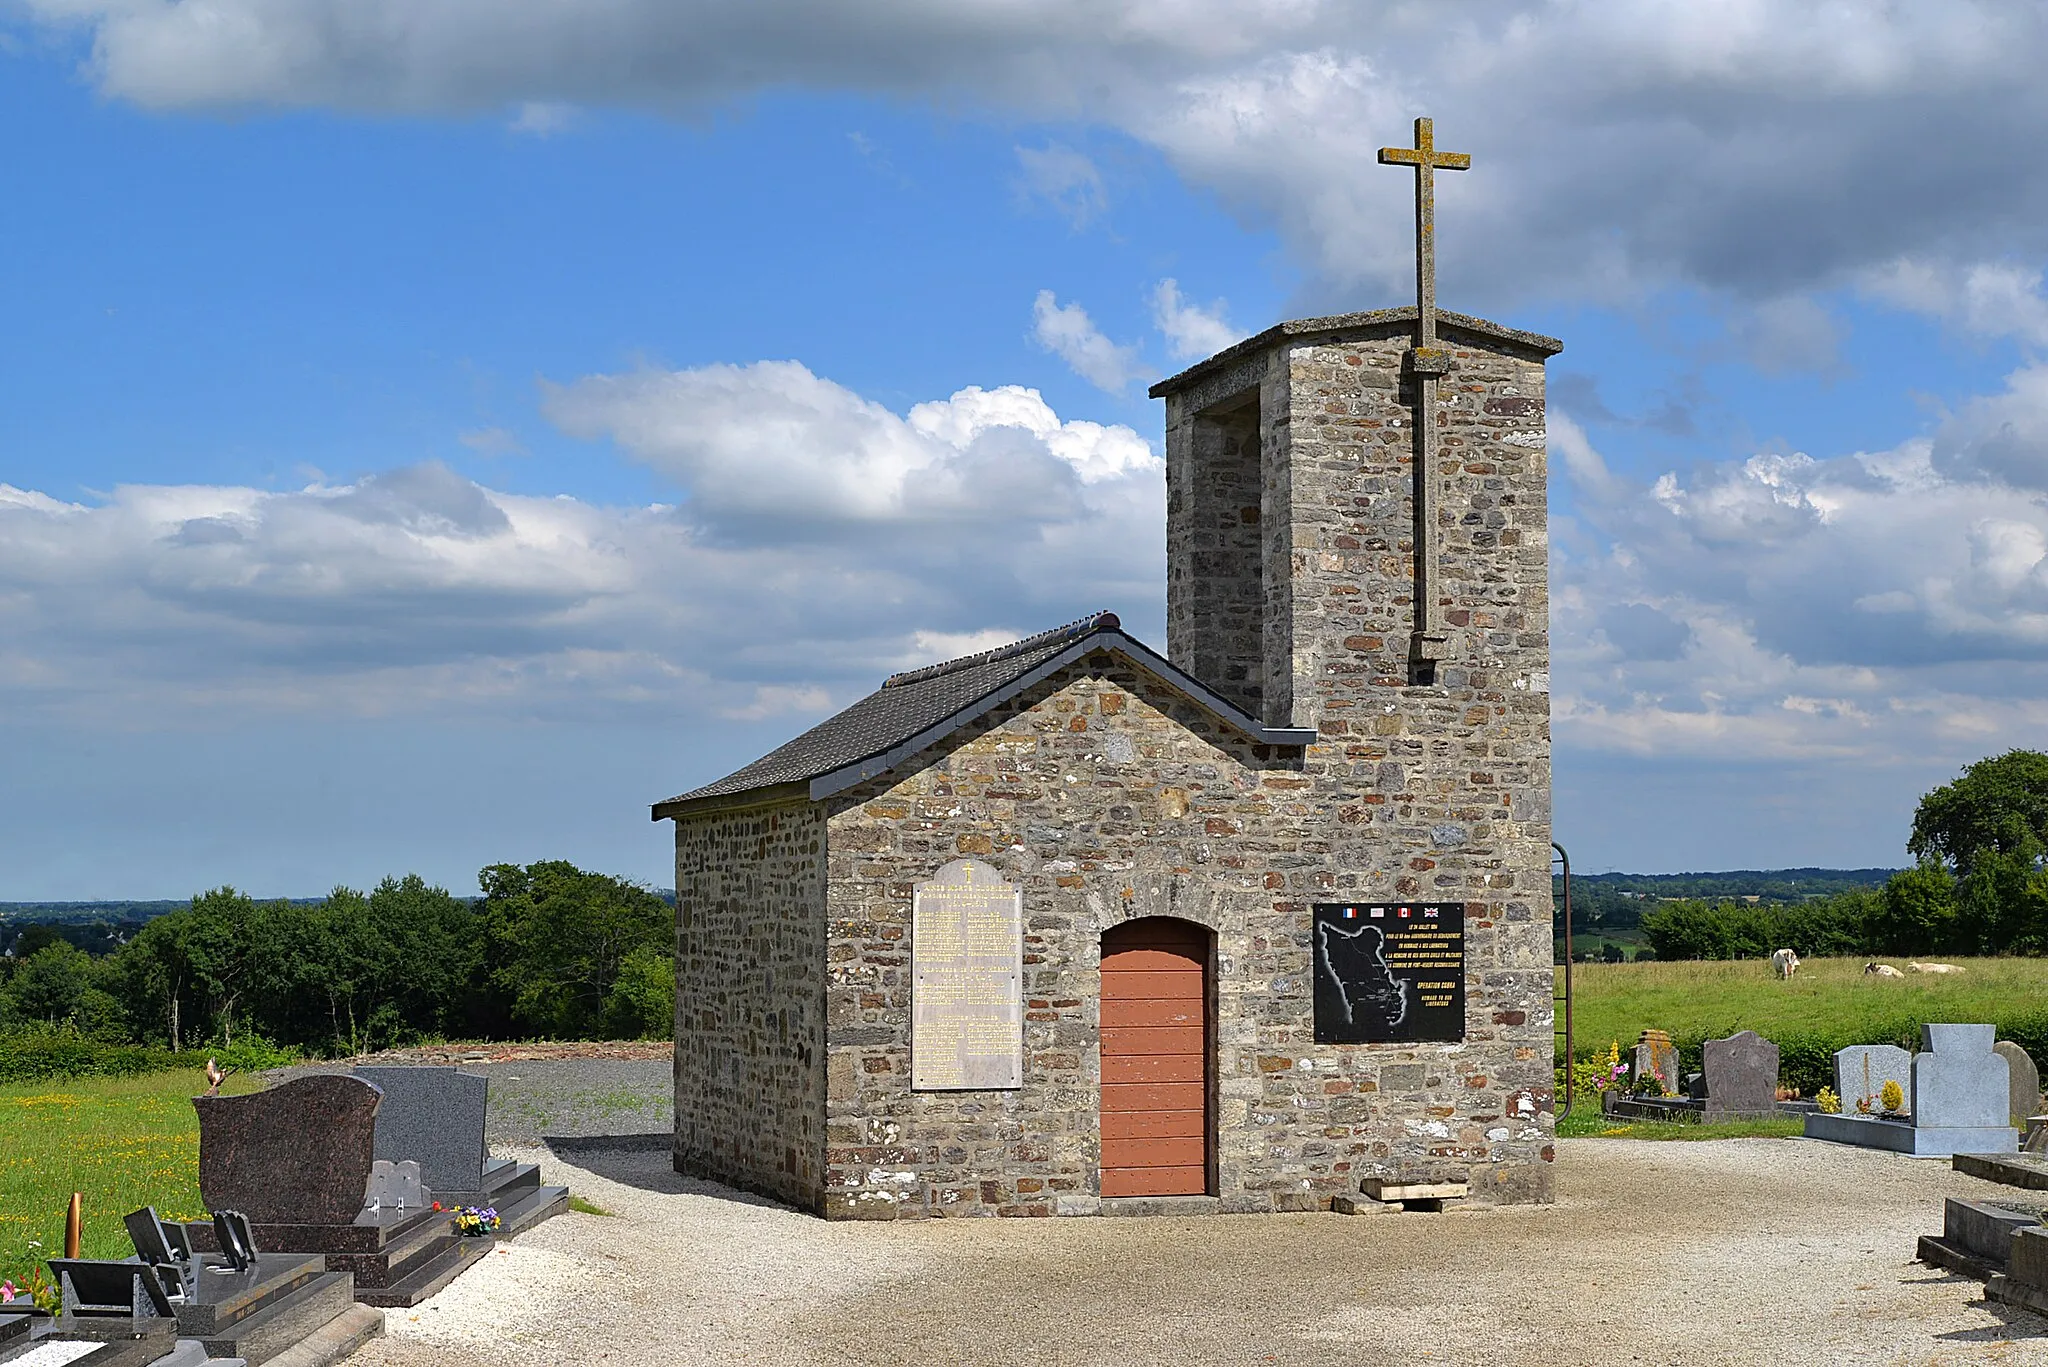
(1730, 1252)
(587, 1096)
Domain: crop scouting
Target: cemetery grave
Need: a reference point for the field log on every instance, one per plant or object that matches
(322, 1212)
(1738, 1081)
(315, 1161)
(1960, 1098)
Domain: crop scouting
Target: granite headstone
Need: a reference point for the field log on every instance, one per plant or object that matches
(2026, 1081)
(1959, 1080)
(299, 1153)
(433, 1117)
(1742, 1077)
(1656, 1054)
(1862, 1070)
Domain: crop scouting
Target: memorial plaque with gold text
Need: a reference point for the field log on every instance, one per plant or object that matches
(966, 980)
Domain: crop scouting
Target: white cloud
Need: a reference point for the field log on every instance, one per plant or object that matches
(1191, 331)
(818, 541)
(1620, 146)
(1070, 334)
(1860, 607)
(1988, 299)
(1067, 180)
(544, 118)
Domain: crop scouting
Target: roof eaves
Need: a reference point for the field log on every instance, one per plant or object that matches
(773, 795)
(1345, 322)
(838, 780)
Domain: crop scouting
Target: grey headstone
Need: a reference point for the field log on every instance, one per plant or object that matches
(1959, 1080)
(2026, 1081)
(1742, 1077)
(1657, 1055)
(1862, 1070)
(433, 1117)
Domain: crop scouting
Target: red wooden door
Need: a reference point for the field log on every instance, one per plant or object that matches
(1155, 1058)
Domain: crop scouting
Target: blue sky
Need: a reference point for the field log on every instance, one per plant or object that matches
(429, 434)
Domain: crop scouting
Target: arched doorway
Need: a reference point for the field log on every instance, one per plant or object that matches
(1156, 1047)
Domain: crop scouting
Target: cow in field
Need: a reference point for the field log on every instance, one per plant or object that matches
(1933, 968)
(1785, 962)
(1881, 971)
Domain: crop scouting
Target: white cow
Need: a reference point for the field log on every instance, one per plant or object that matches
(1934, 968)
(1785, 962)
(1881, 971)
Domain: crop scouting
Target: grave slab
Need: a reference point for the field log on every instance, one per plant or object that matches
(1902, 1136)
(2029, 1171)
(299, 1153)
(2026, 1082)
(1656, 1054)
(1742, 1078)
(434, 1117)
(1961, 1082)
(1862, 1070)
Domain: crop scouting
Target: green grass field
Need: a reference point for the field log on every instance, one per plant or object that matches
(121, 1142)
(1695, 1000)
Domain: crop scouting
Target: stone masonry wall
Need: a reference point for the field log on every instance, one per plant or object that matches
(750, 999)
(1442, 789)
(1218, 599)
(1105, 796)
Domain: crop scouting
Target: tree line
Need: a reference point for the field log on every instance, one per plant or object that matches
(1979, 885)
(547, 951)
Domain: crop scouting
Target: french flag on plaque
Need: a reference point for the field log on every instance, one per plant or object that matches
(1351, 913)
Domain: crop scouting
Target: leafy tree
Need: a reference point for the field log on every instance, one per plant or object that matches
(642, 1002)
(34, 939)
(1917, 913)
(1998, 806)
(49, 984)
(557, 939)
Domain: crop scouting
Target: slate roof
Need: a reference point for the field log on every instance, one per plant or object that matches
(1452, 323)
(915, 709)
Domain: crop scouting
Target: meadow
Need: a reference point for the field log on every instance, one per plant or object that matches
(1831, 1003)
(122, 1143)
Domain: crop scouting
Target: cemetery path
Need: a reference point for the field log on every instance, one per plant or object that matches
(1731, 1252)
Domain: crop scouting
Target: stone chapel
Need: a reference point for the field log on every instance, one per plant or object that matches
(1073, 926)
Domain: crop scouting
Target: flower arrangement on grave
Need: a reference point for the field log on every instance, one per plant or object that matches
(473, 1223)
(1891, 1098)
(1829, 1103)
(1863, 1105)
(1647, 1083)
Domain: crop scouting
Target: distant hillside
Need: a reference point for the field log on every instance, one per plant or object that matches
(1610, 906)
(84, 913)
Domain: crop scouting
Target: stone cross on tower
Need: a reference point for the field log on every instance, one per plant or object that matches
(1426, 363)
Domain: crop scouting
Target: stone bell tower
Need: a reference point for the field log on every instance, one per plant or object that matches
(1357, 543)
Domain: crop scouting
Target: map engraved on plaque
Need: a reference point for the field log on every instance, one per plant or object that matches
(966, 980)
(1389, 973)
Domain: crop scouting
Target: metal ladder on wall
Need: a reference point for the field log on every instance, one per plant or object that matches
(1561, 993)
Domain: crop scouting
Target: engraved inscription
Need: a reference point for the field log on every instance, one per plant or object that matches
(967, 980)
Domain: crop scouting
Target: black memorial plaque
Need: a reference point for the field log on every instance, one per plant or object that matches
(1389, 972)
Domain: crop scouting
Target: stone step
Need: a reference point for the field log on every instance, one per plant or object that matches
(334, 1340)
(503, 1180)
(394, 1264)
(278, 1327)
(427, 1278)
(538, 1204)
(223, 1299)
